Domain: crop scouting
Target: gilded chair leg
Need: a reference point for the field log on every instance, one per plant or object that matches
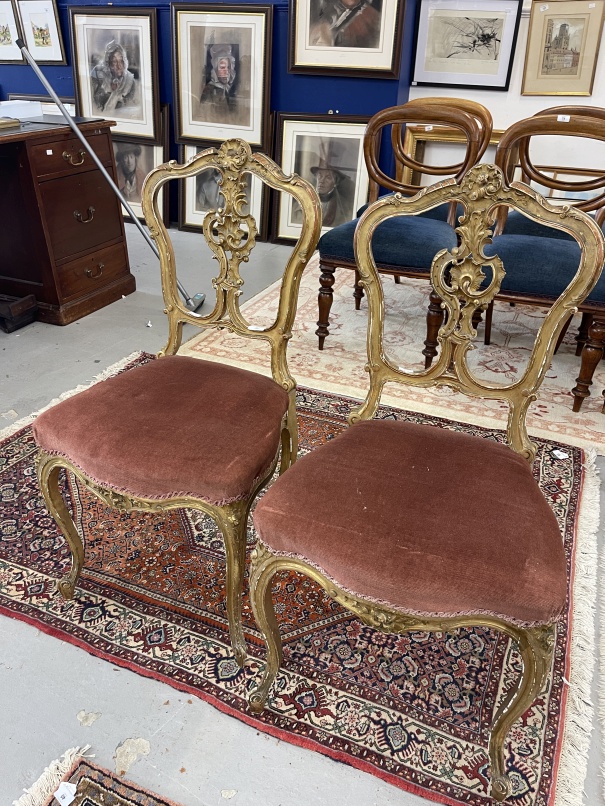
(262, 568)
(582, 335)
(434, 319)
(489, 315)
(324, 301)
(591, 355)
(536, 647)
(289, 437)
(48, 469)
(233, 520)
(357, 291)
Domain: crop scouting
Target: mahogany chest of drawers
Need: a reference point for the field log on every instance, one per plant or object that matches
(61, 226)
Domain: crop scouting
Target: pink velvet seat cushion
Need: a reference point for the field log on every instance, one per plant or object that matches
(175, 426)
(426, 520)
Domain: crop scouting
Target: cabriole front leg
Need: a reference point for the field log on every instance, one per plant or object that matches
(232, 521)
(48, 469)
(536, 647)
(262, 568)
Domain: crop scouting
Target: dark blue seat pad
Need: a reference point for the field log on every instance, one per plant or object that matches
(540, 266)
(406, 241)
(518, 224)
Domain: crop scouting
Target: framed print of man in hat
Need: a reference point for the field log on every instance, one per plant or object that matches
(131, 169)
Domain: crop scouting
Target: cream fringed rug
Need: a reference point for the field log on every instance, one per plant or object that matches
(340, 366)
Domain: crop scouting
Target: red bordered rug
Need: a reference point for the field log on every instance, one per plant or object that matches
(413, 710)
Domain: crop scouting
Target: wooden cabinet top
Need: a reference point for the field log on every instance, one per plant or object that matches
(49, 128)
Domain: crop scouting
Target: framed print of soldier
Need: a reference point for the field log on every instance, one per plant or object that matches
(115, 68)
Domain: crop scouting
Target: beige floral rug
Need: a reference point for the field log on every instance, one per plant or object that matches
(340, 366)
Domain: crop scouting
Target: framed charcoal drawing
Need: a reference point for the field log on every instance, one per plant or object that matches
(466, 43)
(134, 160)
(40, 23)
(200, 194)
(328, 152)
(346, 37)
(222, 70)
(9, 33)
(115, 67)
(562, 47)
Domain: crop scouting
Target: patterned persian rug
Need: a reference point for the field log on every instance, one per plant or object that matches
(340, 366)
(413, 709)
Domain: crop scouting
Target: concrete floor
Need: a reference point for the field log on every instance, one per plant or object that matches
(196, 754)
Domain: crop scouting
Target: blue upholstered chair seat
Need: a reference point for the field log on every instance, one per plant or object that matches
(540, 266)
(518, 224)
(406, 241)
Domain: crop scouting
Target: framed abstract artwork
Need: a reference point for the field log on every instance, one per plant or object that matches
(328, 152)
(562, 47)
(222, 72)
(115, 67)
(200, 194)
(9, 33)
(346, 37)
(134, 160)
(40, 24)
(466, 43)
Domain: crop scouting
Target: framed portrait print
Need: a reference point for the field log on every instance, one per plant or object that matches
(9, 33)
(562, 47)
(222, 72)
(115, 67)
(466, 43)
(200, 194)
(328, 152)
(40, 23)
(134, 160)
(364, 39)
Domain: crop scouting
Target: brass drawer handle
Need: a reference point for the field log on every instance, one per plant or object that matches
(91, 215)
(94, 274)
(71, 157)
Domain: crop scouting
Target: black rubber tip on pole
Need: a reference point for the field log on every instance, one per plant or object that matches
(20, 44)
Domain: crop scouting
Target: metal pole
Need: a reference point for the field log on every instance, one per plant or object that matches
(194, 303)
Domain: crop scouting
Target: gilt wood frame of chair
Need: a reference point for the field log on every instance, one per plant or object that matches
(463, 282)
(231, 235)
(513, 149)
(474, 123)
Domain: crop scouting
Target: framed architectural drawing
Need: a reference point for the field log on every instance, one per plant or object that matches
(222, 72)
(466, 43)
(200, 194)
(9, 33)
(115, 67)
(353, 38)
(328, 152)
(134, 161)
(562, 47)
(40, 24)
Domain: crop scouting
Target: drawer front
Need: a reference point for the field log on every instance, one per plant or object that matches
(87, 274)
(69, 155)
(81, 212)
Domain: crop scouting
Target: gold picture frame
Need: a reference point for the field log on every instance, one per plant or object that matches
(562, 47)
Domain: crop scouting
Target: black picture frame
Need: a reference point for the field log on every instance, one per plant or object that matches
(470, 45)
(222, 72)
(126, 37)
(366, 43)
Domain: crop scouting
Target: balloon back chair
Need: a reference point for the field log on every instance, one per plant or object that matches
(402, 550)
(540, 260)
(405, 247)
(179, 431)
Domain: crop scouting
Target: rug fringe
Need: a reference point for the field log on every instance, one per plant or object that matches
(47, 783)
(107, 373)
(575, 745)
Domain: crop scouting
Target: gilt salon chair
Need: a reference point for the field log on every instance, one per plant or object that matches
(405, 247)
(180, 431)
(540, 261)
(402, 550)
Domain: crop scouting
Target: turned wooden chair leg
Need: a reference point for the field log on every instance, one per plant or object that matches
(489, 314)
(434, 319)
(563, 332)
(477, 317)
(324, 302)
(582, 335)
(397, 278)
(591, 355)
(357, 291)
